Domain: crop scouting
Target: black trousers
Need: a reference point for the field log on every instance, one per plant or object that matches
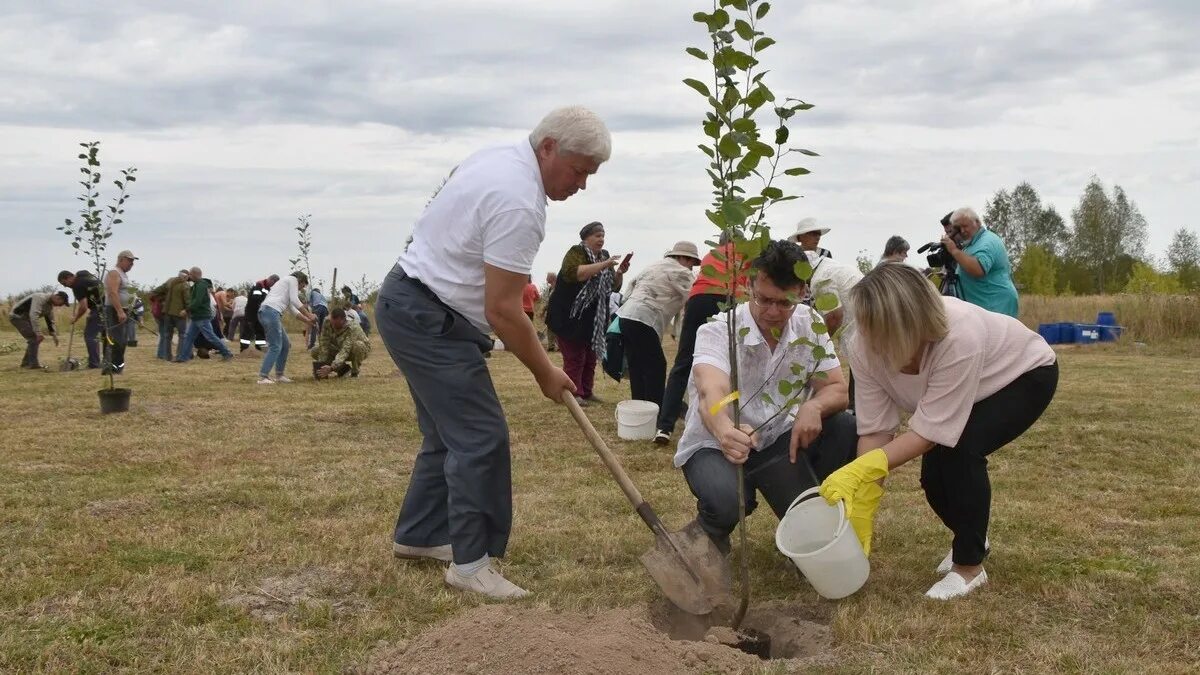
(955, 479)
(647, 364)
(696, 313)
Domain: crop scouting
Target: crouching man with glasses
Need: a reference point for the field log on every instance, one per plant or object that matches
(786, 449)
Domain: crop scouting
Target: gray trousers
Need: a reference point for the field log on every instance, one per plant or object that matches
(460, 491)
(713, 479)
(25, 327)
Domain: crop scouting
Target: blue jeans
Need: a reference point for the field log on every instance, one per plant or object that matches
(201, 327)
(91, 337)
(170, 325)
(321, 311)
(277, 341)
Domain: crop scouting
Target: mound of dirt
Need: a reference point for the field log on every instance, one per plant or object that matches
(499, 639)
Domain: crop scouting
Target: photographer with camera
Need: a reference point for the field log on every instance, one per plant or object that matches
(986, 276)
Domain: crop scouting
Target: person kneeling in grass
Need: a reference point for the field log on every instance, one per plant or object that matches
(973, 380)
(341, 348)
(771, 441)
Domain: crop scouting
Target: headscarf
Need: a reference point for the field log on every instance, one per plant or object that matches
(594, 292)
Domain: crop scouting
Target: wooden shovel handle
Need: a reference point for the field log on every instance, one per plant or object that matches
(610, 461)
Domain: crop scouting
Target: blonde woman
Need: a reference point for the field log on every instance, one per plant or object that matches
(973, 381)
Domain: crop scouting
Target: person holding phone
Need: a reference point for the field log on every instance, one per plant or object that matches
(578, 311)
(655, 297)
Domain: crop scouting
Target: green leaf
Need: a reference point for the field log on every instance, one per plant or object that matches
(701, 17)
(762, 10)
(820, 328)
(772, 192)
(743, 29)
(781, 135)
(786, 199)
(749, 162)
(744, 124)
(712, 129)
(825, 302)
(743, 332)
(763, 43)
(785, 388)
(810, 153)
(698, 53)
(819, 353)
(698, 86)
(729, 148)
(707, 150)
(760, 148)
(797, 171)
(802, 270)
(708, 272)
(720, 19)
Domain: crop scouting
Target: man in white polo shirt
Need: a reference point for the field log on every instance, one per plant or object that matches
(462, 276)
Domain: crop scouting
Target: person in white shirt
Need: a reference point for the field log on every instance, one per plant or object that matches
(284, 296)
(463, 276)
(239, 314)
(785, 448)
(655, 297)
(834, 278)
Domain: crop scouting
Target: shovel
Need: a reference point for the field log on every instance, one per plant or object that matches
(685, 564)
(69, 363)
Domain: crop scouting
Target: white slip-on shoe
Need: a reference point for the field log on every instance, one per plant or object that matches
(947, 563)
(486, 581)
(283, 379)
(265, 380)
(442, 553)
(954, 585)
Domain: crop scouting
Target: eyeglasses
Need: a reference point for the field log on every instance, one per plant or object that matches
(767, 303)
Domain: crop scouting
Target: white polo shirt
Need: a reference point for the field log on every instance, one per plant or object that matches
(492, 210)
(760, 370)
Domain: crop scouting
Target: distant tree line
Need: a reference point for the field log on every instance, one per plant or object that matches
(1103, 250)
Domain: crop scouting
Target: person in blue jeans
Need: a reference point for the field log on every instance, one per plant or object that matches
(320, 309)
(284, 296)
(200, 304)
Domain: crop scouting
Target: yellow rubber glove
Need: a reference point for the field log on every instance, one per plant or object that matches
(843, 484)
(866, 503)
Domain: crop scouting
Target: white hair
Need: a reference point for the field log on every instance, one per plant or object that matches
(965, 213)
(577, 130)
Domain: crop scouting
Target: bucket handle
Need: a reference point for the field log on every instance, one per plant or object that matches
(815, 492)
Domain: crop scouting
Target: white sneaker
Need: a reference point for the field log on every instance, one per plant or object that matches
(947, 563)
(486, 581)
(954, 585)
(283, 379)
(442, 553)
(265, 380)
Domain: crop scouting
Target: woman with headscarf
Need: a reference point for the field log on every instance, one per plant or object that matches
(578, 311)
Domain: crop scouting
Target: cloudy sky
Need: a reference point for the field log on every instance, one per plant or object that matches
(242, 116)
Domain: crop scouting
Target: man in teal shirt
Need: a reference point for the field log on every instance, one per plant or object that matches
(985, 274)
(200, 310)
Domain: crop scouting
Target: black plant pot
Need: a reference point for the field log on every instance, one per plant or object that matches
(114, 400)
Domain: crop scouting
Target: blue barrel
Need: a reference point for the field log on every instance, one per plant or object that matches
(1067, 333)
(1051, 333)
(1109, 330)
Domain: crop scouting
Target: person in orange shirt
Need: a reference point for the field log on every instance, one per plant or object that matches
(701, 305)
(529, 297)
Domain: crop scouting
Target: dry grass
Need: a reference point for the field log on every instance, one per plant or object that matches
(1147, 318)
(223, 527)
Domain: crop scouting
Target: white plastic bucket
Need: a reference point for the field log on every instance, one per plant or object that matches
(822, 544)
(636, 420)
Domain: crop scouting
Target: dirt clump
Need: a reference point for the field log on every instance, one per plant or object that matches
(499, 639)
(271, 598)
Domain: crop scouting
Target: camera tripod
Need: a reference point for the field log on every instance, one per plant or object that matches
(950, 285)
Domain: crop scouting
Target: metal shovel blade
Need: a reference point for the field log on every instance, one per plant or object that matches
(690, 569)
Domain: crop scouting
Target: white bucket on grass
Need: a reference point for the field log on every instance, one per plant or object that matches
(636, 420)
(822, 544)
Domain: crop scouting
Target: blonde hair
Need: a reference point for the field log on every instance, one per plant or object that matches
(896, 311)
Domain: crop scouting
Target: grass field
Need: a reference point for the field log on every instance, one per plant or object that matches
(222, 526)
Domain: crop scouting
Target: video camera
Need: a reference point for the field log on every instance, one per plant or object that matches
(938, 257)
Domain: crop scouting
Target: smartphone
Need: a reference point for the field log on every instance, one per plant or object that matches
(625, 260)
